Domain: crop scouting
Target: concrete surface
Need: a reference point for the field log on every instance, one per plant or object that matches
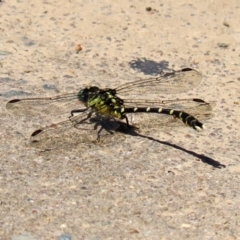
(170, 186)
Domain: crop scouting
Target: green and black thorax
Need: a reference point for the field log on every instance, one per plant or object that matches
(103, 101)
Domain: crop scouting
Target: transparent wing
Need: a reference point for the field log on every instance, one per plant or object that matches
(86, 127)
(168, 83)
(49, 106)
(177, 104)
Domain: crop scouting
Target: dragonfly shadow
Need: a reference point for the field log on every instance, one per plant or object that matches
(149, 67)
(205, 159)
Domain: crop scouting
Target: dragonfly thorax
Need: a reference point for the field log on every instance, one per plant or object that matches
(104, 101)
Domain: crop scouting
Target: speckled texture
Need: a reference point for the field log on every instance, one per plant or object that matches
(169, 186)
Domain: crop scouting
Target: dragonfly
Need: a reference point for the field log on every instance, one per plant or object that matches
(94, 112)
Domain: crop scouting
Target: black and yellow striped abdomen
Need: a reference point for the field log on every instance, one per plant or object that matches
(185, 117)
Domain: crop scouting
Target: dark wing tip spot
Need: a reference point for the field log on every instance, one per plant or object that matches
(14, 101)
(187, 69)
(198, 100)
(36, 132)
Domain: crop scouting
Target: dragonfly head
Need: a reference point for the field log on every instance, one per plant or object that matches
(86, 94)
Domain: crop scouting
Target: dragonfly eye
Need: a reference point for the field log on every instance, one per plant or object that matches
(83, 95)
(86, 93)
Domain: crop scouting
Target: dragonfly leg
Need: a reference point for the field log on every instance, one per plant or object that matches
(98, 134)
(100, 130)
(129, 125)
(76, 123)
(78, 111)
(125, 117)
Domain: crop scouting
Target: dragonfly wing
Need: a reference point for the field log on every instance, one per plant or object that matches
(177, 104)
(86, 127)
(168, 83)
(48, 106)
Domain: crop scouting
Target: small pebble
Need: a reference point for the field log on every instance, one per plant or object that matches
(226, 24)
(223, 45)
(78, 48)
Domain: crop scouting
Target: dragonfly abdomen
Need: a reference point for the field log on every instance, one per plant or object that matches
(183, 116)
